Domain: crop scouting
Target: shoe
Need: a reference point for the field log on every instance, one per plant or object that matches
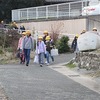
(23, 62)
(48, 64)
(53, 60)
(26, 64)
(41, 65)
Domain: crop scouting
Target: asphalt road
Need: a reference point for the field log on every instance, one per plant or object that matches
(42, 83)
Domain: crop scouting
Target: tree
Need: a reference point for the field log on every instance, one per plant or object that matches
(56, 29)
(7, 5)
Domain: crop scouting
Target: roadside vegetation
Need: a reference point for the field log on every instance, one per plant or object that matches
(71, 65)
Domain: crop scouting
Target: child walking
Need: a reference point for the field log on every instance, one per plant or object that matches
(40, 50)
(20, 48)
(49, 46)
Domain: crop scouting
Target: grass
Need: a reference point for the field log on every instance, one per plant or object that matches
(2, 62)
(8, 61)
(70, 65)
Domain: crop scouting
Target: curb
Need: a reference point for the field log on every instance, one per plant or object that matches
(77, 77)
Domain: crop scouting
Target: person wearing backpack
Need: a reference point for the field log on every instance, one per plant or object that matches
(49, 46)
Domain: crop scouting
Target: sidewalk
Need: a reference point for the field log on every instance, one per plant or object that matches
(78, 76)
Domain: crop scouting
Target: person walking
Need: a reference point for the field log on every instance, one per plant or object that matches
(74, 43)
(22, 28)
(45, 35)
(40, 50)
(28, 46)
(44, 38)
(20, 48)
(94, 29)
(83, 31)
(49, 46)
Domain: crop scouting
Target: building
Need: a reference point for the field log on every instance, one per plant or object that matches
(62, 0)
(59, 1)
(91, 2)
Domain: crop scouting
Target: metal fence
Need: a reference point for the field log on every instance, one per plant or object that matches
(72, 9)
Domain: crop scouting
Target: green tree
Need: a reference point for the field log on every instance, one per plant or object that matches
(7, 5)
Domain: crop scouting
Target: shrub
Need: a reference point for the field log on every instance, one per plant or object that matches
(9, 49)
(62, 44)
(1, 51)
(9, 39)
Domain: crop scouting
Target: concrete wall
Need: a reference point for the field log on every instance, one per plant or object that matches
(93, 21)
(67, 27)
(63, 27)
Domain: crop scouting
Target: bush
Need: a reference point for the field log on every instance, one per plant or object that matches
(1, 51)
(9, 40)
(9, 49)
(62, 44)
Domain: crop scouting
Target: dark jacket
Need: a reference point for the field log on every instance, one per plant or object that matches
(74, 43)
(49, 46)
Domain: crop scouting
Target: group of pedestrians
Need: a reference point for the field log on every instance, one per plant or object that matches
(74, 46)
(44, 46)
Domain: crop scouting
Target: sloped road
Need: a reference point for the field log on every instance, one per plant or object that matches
(42, 83)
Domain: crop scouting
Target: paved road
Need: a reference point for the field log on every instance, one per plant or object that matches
(42, 83)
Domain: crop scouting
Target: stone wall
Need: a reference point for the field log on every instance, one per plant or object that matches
(88, 60)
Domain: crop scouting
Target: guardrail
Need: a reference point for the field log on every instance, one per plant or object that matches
(72, 9)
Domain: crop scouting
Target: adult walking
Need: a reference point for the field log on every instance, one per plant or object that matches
(28, 46)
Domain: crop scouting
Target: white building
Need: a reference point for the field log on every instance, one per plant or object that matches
(61, 0)
(91, 2)
(94, 2)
